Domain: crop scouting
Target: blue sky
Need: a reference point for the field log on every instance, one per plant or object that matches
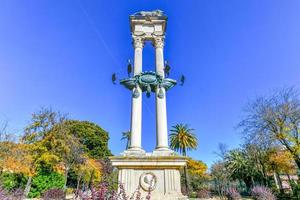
(62, 54)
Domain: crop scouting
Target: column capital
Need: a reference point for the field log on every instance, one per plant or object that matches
(137, 41)
(159, 41)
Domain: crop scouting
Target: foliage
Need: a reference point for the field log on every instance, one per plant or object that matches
(126, 136)
(54, 194)
(11, 181)
(101, 192)
(89, 171)
(110, 176)
(203, 193)
(16, 157)
(196, 167)
(220, 178)
(295, 189)
(198, 176)
(41, 123)
(182, 138)
(233, 194)
(16, 194)
(43, 182)
(92, 137)
(277, 119)
(240, 166)
(282, 161)
(3, 194)
(262, 193)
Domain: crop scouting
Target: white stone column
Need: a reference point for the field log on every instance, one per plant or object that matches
(136, 109)
(161, 110)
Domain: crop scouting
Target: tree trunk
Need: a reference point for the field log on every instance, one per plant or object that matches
(77, 186)
(279, 182)
(66, 178)
(186, 174)
(28, 186)
(186, 180)
(297, 161)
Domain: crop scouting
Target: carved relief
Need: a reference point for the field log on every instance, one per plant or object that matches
(148, 181)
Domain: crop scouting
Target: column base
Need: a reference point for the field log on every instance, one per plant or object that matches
(163, 151)
(134, 151)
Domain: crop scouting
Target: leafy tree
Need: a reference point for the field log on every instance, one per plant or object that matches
(182, 139)
(17, 158)
(281, 162)
(89, 172)
(198, 174)
(196, 167)
(240, 167)
(126, 136)
(65, 146)
(41, 123)
(258, 156)
(92, 137)
(277, 118)
(72, 146)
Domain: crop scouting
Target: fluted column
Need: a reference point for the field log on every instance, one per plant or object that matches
(161, 110)
(136, 109)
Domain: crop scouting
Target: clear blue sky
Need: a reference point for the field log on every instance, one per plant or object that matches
(62, 54)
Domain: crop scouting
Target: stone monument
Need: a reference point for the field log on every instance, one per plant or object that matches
(157, 171)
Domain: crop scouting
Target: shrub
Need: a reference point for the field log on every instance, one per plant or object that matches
(44, 182)
(11, 181)
(53, 194)
(262, 193)
(295, 189)
(101, 192)
(203, 193)
(3, 193)
(233, 194)
(17, 194)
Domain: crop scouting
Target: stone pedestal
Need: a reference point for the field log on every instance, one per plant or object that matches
(159, 174)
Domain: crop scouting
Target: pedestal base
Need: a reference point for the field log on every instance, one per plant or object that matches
(159, 174)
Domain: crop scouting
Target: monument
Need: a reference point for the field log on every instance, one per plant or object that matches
(157, 171)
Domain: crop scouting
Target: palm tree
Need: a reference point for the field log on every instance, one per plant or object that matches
(182, 139)
(126, 136)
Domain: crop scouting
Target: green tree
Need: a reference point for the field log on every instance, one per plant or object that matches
(240, 166)
(92, 137)
(126, 136)
(182, 139)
